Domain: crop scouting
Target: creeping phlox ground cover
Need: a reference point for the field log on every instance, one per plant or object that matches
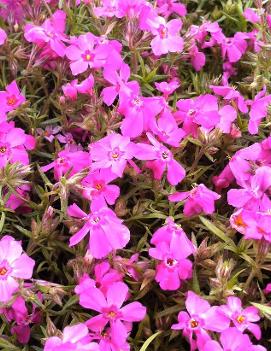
(135, 175)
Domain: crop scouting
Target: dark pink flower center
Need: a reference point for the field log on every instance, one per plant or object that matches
(163, 32)
(3, 149)
(137, 101)
(3, 271)
(171, 262)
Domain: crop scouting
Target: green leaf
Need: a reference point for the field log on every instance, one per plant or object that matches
(148, 341)
(218, 232)
(266, 310)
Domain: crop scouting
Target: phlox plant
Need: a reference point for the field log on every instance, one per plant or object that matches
(135, 175)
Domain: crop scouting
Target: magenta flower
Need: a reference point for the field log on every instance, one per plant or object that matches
(200, 319)
(258, 110)
(104, 277)
(106, 231)
(71, 89)
(198, 200)
(110, 308)
(49, 132)
(51, 33)
(14, 144)
(242, 318)
(14, 265)
(84, 53)
(75, 338)
(232, 340)
(109, 339)
(173, 267)
(139, 111)
(3, 36)
(197, 58)
(161, 160)
(167, 37)
(96, 187)
(72, 161)
(11, 98)
(112, 153)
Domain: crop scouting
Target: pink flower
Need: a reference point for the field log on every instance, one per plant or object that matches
(173, 267)
(167, 7)
(232, 339)
(106, 231)
(72, 161)
(112, 153)
(3, 36)
(197, 58)
(51, 33)
(198, 200)
(251, 15)
(258, 110)
(104, 277)
(167, 37)
(18, 312)
(139, 111)
(109, 306)
(202, 110)
(96, 187)
(173, 231)
(118, 75)
(227, 116)
(14, 144)
(84, 53)
(166, 128)
(71, 89)
(11, 98)
(161, 160)
(201, 317)
(167, 88)
(75, 338)
(242, 318)
(253, 196)
(234, 48)
(49, 132)
(14, 265)
(231, 94)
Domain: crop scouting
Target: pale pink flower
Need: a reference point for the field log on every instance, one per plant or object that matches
(251, 15)
(74, 338)
(106, 231)
(84, 53)
(51, 33)
(167, 36)
(14, 265)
